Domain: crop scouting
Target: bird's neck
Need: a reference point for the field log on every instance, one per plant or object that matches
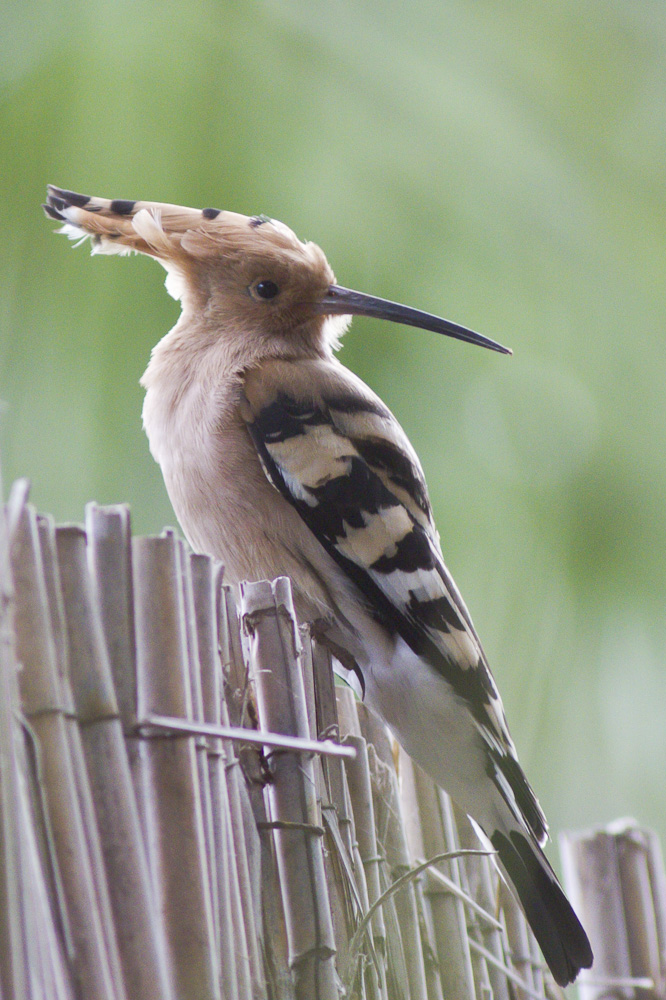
(191, 370)
(194, 378)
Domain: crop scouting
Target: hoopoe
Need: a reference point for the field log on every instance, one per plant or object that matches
(279, 461)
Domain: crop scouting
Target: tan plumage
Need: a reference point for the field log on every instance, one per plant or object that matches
(278, 460)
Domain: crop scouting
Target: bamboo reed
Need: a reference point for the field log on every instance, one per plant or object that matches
(244, 780)
(642, 930)
(337, 815)
(368, 878)
(485, 892)
(616, 879)
(110, 558)
(236, 678)
(269, 624)
(360, 790)
(106, 759)
(655, 860)
(13, 926)
(416, 849)
(206, 579)
(59, 681)
(448, 913)
(337, 861)
(246, 805)
(328, 728)
(279, 977)
(340, 821)
(110, 562)
(371, 817)
(392, 820)
(177, 843)
(65, 781)
(44, 973)
(393, 841)
(75, 734)
(517, 940)
(192, 631)
(593, 881)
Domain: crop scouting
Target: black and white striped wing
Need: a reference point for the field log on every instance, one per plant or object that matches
(338, 455)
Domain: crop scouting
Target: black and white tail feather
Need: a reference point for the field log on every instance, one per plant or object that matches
(351, 520)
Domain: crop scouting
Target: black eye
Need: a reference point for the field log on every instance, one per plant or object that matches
(265, 289)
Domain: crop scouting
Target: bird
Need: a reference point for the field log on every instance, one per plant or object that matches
(278, 460)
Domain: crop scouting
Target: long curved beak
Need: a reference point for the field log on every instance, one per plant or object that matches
(341, 301)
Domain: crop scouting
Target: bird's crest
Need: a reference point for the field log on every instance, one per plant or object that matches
(165, 231)
(188, 242)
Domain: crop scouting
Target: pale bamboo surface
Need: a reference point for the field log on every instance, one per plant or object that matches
(191, 808)
(615, 877)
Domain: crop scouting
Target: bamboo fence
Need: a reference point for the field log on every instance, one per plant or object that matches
(192, 809)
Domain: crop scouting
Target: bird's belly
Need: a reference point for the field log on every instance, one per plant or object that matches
(430, 721)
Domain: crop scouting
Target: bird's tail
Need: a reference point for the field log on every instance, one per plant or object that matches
(556, 927)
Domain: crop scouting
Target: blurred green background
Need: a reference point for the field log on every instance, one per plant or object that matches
(498, 163)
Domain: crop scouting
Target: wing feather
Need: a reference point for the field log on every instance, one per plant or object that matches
(337, 454)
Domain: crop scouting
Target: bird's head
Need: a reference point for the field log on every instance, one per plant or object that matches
(243, 276)
(256, 277)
